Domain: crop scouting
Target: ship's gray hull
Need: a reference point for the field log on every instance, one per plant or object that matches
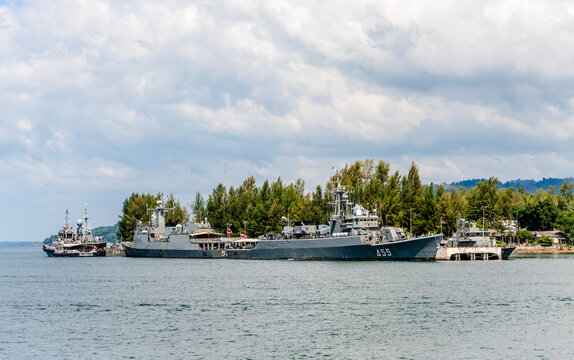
(340, 248)
(173, 253)
(330, 248)
(78, 251)
(179, 246)
(507, 251)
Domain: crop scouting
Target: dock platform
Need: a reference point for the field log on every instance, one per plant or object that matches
(473, 253)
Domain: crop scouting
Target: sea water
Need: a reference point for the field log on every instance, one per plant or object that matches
(138, 308)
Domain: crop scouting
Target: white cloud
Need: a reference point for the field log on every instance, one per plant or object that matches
(525, 165)
(157, 96)
(59, 142)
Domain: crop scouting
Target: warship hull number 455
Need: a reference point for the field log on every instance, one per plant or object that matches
(353, 234)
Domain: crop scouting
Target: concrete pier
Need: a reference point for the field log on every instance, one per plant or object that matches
(115, 252)
(469, 253)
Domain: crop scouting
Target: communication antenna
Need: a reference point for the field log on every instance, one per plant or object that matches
(67, 219)
(86, 230)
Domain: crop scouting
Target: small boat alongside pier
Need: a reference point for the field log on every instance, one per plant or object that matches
(472, 244)
(474, 253)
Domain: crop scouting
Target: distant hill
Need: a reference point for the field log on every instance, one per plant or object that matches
(530, 186)
(108, 234)
(19, 243)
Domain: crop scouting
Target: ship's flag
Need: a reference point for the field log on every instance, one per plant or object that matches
(229, 232)
(243, 236)
(442, 222)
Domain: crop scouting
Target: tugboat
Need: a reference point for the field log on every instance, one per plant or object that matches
(190, 240)
(76, 244)
(353, 234)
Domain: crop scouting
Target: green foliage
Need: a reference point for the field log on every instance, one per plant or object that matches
(136, 208)
(530, 186)
(538, 214)
(256, 210)
(566, 196)
(545, 241)
(482, 201)
(508, 202)
(178, 214)
(319, 210)
(427, 219)
(216, 210)
(450, 207)
(523, 236)
(565, 222)
(198, 207)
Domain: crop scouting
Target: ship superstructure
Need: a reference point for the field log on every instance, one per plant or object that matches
(189, 240)
(75, 244)
(354, 234)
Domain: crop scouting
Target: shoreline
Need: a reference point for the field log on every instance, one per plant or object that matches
(542, 250)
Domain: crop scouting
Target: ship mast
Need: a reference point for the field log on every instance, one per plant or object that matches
(158, 217)
(340, 202)
(86, 220)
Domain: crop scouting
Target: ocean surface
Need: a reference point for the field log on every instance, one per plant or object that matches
(132, 308)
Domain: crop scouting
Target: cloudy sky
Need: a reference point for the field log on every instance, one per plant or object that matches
(99, 99)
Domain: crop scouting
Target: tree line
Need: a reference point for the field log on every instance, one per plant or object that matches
(399, 200)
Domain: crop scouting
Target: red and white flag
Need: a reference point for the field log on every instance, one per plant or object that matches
(229, 232)
(243, 236)
(442, 222)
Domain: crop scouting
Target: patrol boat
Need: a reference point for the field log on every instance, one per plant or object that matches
(354, 234)
(471, 243)
(76, 244)
(190, 240)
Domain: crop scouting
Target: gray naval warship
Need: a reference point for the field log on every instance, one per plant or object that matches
(79, 243)
(190, 240)
(353, 234)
